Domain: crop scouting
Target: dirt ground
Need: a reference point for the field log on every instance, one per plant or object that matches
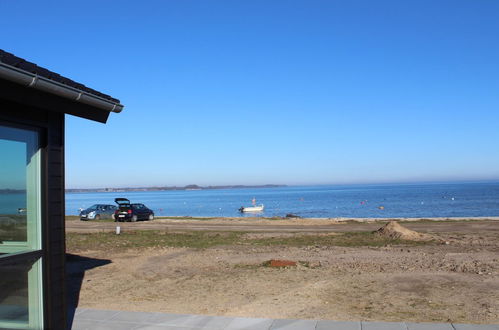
(456, 280)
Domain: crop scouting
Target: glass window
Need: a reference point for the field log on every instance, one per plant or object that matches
(20, 228)
(19, 190)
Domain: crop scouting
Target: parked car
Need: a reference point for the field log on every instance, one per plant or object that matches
(131, 212)
(98, 211)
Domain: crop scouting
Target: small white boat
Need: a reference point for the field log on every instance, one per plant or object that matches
(256, 208)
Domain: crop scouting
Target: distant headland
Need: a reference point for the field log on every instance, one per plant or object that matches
(188, 187)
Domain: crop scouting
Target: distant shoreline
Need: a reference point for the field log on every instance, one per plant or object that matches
(188, 187)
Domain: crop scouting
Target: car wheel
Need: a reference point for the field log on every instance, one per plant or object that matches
(134, 218)
(97, 217)
(151, 216)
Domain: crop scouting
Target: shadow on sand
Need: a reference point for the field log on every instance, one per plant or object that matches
(75, 271)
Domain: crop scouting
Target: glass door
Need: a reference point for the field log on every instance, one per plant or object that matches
(21, 304)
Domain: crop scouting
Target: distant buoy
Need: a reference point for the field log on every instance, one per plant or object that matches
(381, 207)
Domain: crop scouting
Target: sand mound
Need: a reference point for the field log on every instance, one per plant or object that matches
(394, 230)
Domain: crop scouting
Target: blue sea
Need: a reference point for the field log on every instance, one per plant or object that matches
(359, 201)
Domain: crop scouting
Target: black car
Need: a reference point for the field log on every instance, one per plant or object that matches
(131, 212)
(98, 211)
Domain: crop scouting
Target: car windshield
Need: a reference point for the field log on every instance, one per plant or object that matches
(93, 207)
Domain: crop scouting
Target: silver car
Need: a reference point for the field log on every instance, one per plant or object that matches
(98, 211)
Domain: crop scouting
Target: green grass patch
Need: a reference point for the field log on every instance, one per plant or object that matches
(138, 239)
(109, 241)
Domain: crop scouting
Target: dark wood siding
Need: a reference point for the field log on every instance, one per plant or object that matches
(51, 125)
(55, 226)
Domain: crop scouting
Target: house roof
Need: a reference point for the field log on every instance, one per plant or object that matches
(22, 64)
(28, 83)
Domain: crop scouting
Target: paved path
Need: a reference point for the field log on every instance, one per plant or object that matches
(94, 319)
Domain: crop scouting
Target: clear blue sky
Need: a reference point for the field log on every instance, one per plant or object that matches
(254, 92)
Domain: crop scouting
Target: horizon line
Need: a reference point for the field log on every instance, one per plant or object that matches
(494, 180)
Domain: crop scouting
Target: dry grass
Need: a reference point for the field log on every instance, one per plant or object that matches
(155, 238)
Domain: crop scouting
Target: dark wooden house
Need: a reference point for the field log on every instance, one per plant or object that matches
(33, 103)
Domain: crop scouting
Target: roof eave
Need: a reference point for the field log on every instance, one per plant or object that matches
(31, 80)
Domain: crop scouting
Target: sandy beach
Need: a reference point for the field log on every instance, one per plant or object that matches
(342, 272)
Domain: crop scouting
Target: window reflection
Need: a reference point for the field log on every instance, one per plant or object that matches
(20, 226)
(13, 228)
(19, 189)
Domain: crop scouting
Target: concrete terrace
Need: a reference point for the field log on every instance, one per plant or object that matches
(104, 319)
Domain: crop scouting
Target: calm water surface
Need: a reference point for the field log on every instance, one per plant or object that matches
(415, 200)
